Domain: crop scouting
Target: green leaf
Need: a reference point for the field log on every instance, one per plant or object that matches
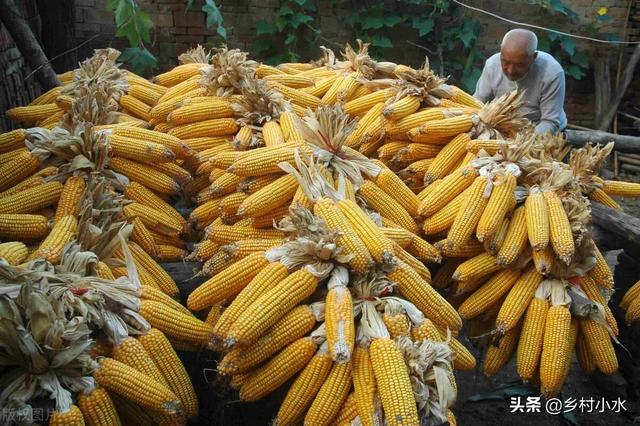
(261, 45)
(123, 12)
(392, 20)
(285, 10)
(350, 19)
(188, 6)
(381, 41)
(300, 18)
(129, 31)
(574, 72)
(580, 59)
(469, 32)
(140, 59)
(543, 44)
(424, 26)
(214, 17)
(281, 23)
(113, 4)
(144, 25)
(568, 46)
(291, 38)
(372, 23)
(222, 31)
(264, 27)
(470, 79)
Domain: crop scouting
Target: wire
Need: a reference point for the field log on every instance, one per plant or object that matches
(523, 24)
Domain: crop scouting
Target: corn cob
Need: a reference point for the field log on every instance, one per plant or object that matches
(145, 175)
(394, 386)
(171, 142)
(14, 252)
(331, 396)
(370, 127)
(447, 190)
(71, 197)
(555, 344)
(349, 239)
(72, 417)
(621, 189)
(305, 388)
(537, 215)
(169, 253)
(497, 208)
(447, 159)
(32, 113)
(518, 299)
(584, 355)
(228, 283)
(225, 234)
(62, 232)
(156, 272)
(471, 248)
(48, 96)
(298, 322)
(497, 286)
(296, 96)
(131, 352)
(599, 344)
(98, 408)
(136, 107)
(469, 214)
(599, 196)
(174, 323)
(141, 236)
(272, 305)
(294, 81)
(211, 109)
(380, 248)
(515, 240)
(442, 220)
(560, 232)
(498, 355)
(144, 196)
(531, 338)
(387, 206)
(429, 301)
(601, 273)
(478, 266)
(339, 324)
(632, 294)
(24, 164)
(153, 293)
(398, 129)
(278, 369)
(159, 349)
(145, 94)
(122, 380)
(154, 219)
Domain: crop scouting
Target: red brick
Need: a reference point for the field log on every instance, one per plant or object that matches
(189, 39)
(162, 19)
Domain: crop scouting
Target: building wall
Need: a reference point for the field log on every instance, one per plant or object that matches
(15, 88)
(176, 30)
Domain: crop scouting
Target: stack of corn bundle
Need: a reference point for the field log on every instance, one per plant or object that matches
(80, 341)
(135, 95)
(148, 159)
(244, 274)
(528, 273)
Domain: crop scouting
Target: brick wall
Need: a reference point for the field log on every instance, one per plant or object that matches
(176, 30)
(15, 88)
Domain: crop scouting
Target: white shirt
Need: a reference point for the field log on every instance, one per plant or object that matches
(544, 95)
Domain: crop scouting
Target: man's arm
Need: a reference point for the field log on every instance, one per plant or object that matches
(484, 92)
(552, 105)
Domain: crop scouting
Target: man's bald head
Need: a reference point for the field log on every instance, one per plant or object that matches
(517, 53)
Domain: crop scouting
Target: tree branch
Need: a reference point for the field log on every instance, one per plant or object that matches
(27, 43)
(627, 76)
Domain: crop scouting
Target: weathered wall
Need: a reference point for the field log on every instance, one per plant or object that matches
(15, 88)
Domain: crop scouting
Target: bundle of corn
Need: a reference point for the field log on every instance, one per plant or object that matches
(266, 192)
(132, 95)
(517, 224)
(100, 345)
(276, 298)
(586, 164)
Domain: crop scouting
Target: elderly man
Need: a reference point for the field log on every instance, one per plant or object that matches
(519, 65)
